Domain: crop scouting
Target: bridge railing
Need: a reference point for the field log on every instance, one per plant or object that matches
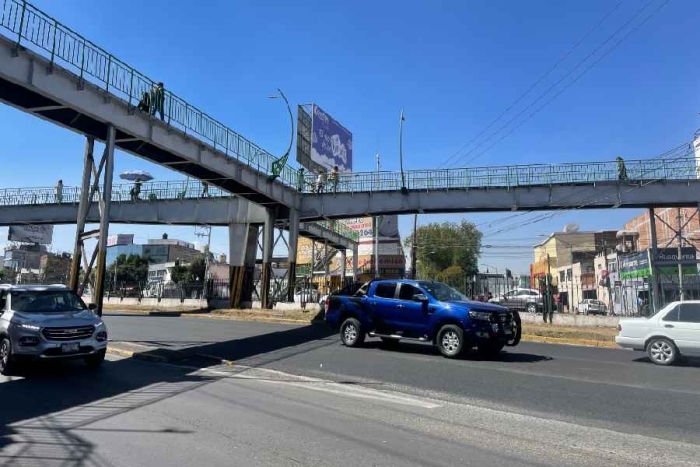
(678, 168)
(33, 28)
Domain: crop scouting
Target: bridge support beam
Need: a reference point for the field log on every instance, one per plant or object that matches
(343, 262)
(92, 175)
(267, 247)
(237, 248)
(355, 261)
(655, 280)
(293, 244)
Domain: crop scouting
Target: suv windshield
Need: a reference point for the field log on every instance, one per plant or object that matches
(45, 301)
(442, 292)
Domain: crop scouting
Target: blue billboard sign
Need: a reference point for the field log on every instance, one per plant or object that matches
(331, 142)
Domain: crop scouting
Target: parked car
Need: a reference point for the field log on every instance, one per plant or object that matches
(46, 323)
(529, 300)
(672, 332)
(591, 306)
(394, 310)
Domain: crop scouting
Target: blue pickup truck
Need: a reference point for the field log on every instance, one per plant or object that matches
(426, 311)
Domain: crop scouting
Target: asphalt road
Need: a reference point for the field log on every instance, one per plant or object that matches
(296, 397)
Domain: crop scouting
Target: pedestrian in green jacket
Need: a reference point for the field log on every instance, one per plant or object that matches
(158, 100)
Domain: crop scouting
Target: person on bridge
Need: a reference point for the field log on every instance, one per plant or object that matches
(301, 180)
(158, 100)
(205, 189)
(334, 178)
(321, 180)
(621, 169)
(58, 192)
(145, 103)
(135, 191)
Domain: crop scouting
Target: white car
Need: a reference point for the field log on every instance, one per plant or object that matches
(665, 336)
(590, 306)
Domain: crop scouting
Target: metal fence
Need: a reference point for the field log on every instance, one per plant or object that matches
(32, 28)
(683, 167)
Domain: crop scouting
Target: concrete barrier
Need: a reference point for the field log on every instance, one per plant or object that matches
(566, 319)
(155, 304)
(289, 306)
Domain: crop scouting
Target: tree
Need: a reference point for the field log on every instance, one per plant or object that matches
(197, 269)
(132, 269)
(446, 249)
(179, 273)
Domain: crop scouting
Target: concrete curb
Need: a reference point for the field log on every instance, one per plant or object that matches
(572, 341)
(136, 355)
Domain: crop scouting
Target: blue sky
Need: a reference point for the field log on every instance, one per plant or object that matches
(453, 66)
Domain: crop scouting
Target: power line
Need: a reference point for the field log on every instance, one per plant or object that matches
(583, 73)
(534, 85)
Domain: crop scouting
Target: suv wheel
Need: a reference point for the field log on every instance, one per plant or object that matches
(662, 351)
(6, 363)
(450, 340)
(531, 308)
(351, 333)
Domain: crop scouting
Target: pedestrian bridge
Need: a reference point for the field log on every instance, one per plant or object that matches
(670, 181)
(175, 203)
(48, 70)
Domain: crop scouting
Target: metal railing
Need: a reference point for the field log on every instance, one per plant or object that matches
(679, 168)
(149, 192)
(32, 28)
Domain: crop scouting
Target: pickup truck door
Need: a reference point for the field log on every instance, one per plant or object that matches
(383, 306)
(411, 316)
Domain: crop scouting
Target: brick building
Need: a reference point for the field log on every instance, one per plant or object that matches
(664, 234)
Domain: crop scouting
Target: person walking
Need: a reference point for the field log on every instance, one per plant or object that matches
(136, 191)
(157, 100)
(301, 180)
(621, 169)
(334, 178)
(58, 192)
(145, 103)
(321, 180)
(205, 189)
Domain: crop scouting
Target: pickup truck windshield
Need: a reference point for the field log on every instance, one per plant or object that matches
(45, 301)
(442, 292)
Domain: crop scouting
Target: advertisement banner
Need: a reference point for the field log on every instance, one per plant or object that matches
(41, 234)
(120, 239)
(636, 265)
(331, 143)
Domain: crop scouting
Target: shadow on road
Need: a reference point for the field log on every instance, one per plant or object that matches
(44, 403)
(682, 362)
(509, 355)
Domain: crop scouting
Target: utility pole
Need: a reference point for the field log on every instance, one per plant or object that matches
(205, 231)
(414, 245)
(375, 231)
(680, 254)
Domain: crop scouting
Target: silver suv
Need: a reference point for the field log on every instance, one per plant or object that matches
(39, 322)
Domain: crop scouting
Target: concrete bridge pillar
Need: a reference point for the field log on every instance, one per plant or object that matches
(355, 261)
(343, 261)
(242, 239)
(292, 258)
(268, 246)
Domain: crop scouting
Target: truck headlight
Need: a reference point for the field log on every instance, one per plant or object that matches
(30, 327)
(481, 315)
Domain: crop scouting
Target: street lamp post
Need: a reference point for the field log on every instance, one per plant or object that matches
(279, 164)
(404, 190)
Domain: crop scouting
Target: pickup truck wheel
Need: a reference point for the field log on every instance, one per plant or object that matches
(662, 351)
(6, 363)
(351, 333)
(490, 349)
(450, 340)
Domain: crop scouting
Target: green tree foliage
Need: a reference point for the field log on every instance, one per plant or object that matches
(446, 250)
(179, 273)
(129, 269)
(193, 272)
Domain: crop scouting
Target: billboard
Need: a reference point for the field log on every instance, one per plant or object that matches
(331, 142)
(636, 265)
(120, 239)
(41, 234)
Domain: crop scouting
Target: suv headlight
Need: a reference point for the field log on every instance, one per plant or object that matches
(482, 315)
(30, 327)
